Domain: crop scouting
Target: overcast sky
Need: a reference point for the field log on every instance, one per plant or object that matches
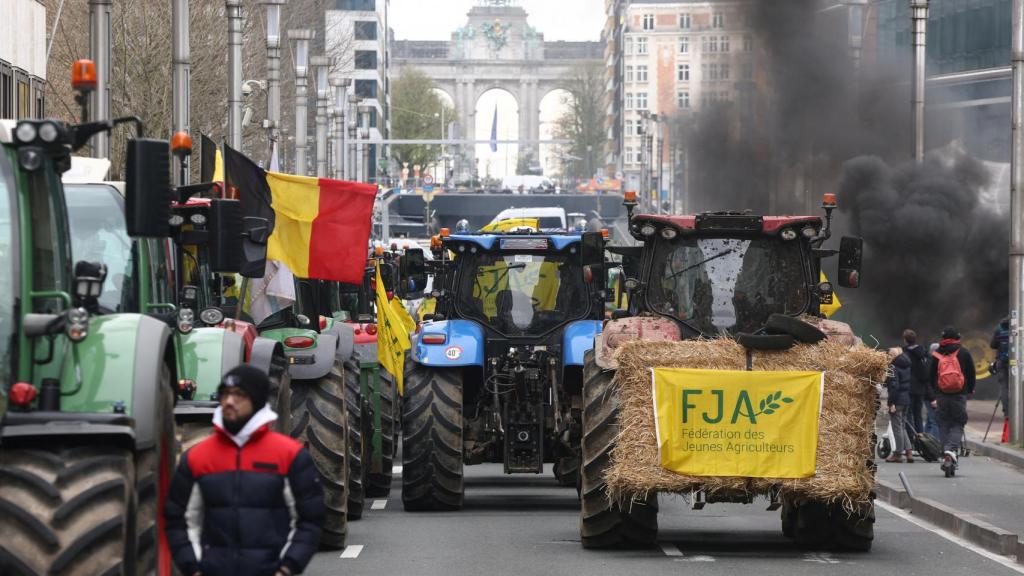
(556, 19)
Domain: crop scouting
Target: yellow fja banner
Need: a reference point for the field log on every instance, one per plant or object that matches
(737, 423)
(392, 335)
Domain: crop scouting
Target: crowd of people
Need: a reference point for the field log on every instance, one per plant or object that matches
(927, 394)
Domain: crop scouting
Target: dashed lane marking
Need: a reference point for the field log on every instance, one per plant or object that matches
(899, 512)
(670, 549)
(820, 558)
(352, 551)
(378, 504)
(396, 470)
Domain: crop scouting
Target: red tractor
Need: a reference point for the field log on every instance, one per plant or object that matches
(757, 279)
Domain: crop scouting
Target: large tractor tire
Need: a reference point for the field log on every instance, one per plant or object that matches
(605, 523)
(154, 468)
(188, 434)
(378, 484)
(827, 526)
(67, 510)
(358, 442)
(320, 421)
(432, 439)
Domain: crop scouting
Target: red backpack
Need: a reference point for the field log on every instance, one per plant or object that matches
(951, 377)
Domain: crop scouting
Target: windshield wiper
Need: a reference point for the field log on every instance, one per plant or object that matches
(703, 262)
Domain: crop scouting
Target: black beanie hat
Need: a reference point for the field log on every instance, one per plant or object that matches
(950, 333)
(250, 379)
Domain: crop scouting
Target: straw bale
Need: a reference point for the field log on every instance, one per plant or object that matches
(849, 404)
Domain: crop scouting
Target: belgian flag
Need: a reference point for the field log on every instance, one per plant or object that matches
(320, 228)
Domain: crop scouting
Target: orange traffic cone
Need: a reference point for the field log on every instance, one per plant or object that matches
(1006, 431)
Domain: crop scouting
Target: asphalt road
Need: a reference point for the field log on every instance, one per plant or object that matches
(527, 525)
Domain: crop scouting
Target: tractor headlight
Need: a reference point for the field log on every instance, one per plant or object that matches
(809, 232)
(176, 220)
(669, 233)
(212, 316)
(30, 159)
(26, 132)
(197, 219)
(648, 230)
(77, 327)
(48, 132)
(186, 319)
(789, 234)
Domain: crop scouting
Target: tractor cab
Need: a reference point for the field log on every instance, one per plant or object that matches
(728, 272)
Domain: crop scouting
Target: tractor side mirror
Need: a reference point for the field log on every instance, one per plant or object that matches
(255, 234)
(225, 229)
(412, 270)
(148, 192)
(592, 252)
(851, 255)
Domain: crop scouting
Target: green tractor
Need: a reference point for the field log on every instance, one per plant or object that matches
(172, 279)
(86, 427)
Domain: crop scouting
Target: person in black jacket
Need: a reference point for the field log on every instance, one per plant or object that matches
(920, 390)
(951, 407)
(898, 384)
(246, 501)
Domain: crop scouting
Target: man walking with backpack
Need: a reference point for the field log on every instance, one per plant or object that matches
(952, 379)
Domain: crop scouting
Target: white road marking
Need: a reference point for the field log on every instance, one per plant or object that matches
(1007, 562)
(352, 551)
(396, 470)
(700, 558)
(820, 558)
(378, 504)
(670, 549)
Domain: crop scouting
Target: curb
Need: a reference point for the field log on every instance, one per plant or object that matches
(966, 526)
(1012, 456)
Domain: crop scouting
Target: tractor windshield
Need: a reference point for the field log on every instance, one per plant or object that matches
(99, 234)
(727, 284)
(521, 294)
(8, 287)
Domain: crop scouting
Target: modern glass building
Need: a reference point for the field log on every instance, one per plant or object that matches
(963, 36)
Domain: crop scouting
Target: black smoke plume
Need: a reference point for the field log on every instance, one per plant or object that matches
(823, 122)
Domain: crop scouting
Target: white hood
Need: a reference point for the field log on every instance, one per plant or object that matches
(263, 416)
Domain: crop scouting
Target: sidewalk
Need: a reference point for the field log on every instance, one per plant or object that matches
(984, 502)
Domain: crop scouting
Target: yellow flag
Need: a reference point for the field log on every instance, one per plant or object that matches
(510, 224)
(737, 423)
(392, 336)
(403, 315)
(218, 167)
(831, 308)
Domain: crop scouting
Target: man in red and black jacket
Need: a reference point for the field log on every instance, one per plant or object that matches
(245, 501)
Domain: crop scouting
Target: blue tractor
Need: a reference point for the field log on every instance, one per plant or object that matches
(495, 373)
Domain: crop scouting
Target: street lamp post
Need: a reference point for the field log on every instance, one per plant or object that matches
(340, 97)
(99, 39)
(364, 137)
(180, 60)
(919, 10)
(321, 66)
(301, 38)
(233, 8)
(273, 72)
(352, 162)
(1017, 229)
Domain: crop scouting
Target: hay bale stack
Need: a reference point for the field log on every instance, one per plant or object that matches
(845, 426)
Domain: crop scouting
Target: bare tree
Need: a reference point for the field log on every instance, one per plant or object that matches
(583, 122)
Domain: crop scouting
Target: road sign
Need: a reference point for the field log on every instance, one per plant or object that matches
(428, 179)
(428, 188)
